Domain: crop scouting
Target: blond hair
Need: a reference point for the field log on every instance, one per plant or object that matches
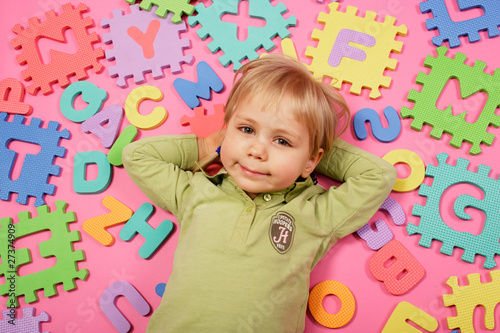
(274, 77)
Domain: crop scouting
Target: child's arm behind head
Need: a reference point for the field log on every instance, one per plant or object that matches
(207, 149)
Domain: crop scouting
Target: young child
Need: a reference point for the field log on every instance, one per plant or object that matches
(251, 234)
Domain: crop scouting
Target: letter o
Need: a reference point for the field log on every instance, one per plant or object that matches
(416, 165)
(331, 287)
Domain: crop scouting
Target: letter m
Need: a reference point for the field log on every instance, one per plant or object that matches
(191, 91)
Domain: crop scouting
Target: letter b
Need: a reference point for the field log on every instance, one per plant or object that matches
(402, 274)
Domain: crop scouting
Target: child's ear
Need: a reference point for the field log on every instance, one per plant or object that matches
(312, 163)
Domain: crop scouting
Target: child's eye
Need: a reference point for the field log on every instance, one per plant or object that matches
(246, 130)
(282, 142)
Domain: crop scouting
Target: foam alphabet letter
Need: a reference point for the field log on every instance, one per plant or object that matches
(12, 96)
(108, 306)
(395, 210)
(402, 274)
(382, 134)
(138, 224)
(416, 165)
(115, 153)
(94, 96)
(190, 91)
(112, 116)
(405, 311)
(96, 226)
(331, 287)
(136, 96)
(341, 48)
(376, 239)
(101, 183)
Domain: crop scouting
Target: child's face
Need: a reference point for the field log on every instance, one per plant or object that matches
(266, 151)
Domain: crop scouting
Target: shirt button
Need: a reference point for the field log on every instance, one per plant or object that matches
(267, 197)
(249, 209)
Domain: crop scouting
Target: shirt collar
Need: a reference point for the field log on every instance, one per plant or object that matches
(266, 198)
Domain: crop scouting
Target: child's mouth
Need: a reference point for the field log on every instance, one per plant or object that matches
(251, 172)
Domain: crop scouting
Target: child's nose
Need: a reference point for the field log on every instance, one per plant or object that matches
(258, 150)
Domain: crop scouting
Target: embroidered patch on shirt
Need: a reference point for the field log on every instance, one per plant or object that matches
(281, 231)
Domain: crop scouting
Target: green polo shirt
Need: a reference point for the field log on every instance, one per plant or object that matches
(243, 265)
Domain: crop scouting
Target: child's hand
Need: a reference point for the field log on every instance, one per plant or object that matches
(208, 145)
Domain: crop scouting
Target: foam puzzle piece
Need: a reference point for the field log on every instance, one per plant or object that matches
(467, 298)
(202, 124)
(108, 306)
(472, 79)
(432, 226)
(28, 323)
(404, 312)
(83, 186)
(331, 287)
(416, 165)
(450, 30)
(112, 117)
(376, 239)
(224, 34)
(208, 80)
(288, 48)
(36, 170)
(395, 210)
(177, 7)
(145, 40)
(155, 118)
(12, 97)
(160, 289)
(62, 65)
(367, 73)
(129, 55)
(126, 136)
(96, 226)
(382, 134)
(60, 246)
(90, 93)
(404, 261)
(154, 238)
